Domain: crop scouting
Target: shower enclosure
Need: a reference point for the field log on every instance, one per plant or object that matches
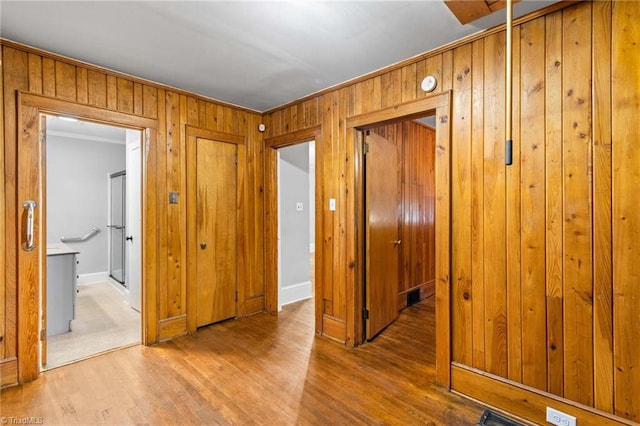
(116, 226)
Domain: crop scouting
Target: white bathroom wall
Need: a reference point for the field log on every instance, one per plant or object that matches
(77, 194)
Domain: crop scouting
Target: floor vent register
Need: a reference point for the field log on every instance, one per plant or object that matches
(490, 418)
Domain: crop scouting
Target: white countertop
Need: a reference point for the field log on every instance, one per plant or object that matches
(54, 249)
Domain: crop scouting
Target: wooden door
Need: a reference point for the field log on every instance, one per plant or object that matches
(216, 204)
(382, 233)
(43, 252)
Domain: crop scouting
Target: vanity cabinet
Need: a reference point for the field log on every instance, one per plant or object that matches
(62, 282)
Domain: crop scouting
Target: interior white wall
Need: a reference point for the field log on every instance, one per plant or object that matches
(294, 187)
(77, 194)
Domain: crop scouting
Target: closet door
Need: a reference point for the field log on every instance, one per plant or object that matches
(216, 205)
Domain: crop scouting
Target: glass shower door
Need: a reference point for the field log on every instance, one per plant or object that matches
(116, 227)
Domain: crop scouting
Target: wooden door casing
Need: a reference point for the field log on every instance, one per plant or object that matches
(382, 230)
(31, 265)
(216, 204)
(271, 219)
(440, 105)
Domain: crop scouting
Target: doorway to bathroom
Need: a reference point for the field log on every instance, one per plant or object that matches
(93, 230)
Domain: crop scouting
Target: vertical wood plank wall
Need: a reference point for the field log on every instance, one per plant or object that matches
(546, 262)
(546, 256)
(416, 158)
(625, 165)
(36, 72)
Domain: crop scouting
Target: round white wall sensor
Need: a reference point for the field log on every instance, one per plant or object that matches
(429, 83)
(262, 127)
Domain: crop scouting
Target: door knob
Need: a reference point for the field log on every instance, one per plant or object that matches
(203, 245)
(397, 242)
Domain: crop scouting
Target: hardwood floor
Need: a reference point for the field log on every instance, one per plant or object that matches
(258, 370)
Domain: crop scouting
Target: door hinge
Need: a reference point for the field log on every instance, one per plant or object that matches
(43, 334)
(365, 313)
(365, 148)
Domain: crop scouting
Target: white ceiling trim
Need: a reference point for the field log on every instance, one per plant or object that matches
(84, 137)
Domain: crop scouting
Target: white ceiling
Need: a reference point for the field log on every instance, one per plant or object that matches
(256, 54)
(84, 130)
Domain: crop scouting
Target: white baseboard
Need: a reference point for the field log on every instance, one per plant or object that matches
(93, 278)
(295, 293)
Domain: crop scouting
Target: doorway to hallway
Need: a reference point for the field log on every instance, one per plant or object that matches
(292, 210)
(296, 222)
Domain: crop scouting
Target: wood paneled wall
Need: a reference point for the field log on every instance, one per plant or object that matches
(545, 257)
(622, 100)
(416, 149)
(29, 70)
(544, 275)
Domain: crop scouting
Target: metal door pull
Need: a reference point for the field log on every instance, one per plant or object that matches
(29, 243)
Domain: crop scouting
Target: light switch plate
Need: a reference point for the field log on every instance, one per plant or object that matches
(173, 197)
(332, 204)
(299, 206)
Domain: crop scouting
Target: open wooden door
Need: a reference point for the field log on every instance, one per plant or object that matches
(216, 204)
(382, 233)
(31, 255)
(43, 253)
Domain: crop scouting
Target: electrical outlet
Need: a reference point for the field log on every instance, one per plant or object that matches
(299, 206)
(559, 418)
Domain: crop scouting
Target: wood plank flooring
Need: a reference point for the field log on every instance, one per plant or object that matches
(258, 370)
